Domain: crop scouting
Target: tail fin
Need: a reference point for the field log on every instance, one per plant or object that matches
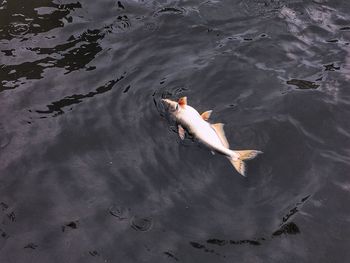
(238, 157)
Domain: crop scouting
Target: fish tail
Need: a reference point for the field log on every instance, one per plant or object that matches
(237, 159)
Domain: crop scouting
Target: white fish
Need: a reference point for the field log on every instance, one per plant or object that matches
(211, 135)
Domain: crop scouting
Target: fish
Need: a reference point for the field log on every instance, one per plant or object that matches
(211, 135)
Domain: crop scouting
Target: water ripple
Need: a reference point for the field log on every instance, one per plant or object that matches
(56, 108)
(87, 147)
(141, 223)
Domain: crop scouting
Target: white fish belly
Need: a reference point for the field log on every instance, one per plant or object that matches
(208, 136)
(202, 130)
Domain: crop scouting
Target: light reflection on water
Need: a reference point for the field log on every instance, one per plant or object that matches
(92, 169)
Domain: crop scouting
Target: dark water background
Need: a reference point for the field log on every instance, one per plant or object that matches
(91, 170)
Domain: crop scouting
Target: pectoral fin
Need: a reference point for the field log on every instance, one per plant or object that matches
(219, 129)
(181, 132)
(206, 115)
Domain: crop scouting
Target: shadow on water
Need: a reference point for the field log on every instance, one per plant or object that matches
(56, 107)
(72, 56)
(303, 84)
(23, 18)
(287, 227)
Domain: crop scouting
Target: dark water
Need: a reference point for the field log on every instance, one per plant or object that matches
(91, 169)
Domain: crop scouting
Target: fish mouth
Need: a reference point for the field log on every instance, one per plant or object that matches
(169, 104)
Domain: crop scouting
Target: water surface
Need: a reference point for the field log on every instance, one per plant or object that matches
(91, 169)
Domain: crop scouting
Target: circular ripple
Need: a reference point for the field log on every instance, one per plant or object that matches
(18, 29)
(5, 138)
(170, 10)
(4, 142)
(141, 223)
(119, 212)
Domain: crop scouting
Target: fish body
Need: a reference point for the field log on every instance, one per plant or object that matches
(211, 135)
(190, 119)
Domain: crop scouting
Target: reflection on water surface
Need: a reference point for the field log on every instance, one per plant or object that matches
(92, 170)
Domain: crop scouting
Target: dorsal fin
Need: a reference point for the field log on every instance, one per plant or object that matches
(182, 101)
(219, 128)
(206, 115)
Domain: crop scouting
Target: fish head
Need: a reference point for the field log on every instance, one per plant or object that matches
(172, 106)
